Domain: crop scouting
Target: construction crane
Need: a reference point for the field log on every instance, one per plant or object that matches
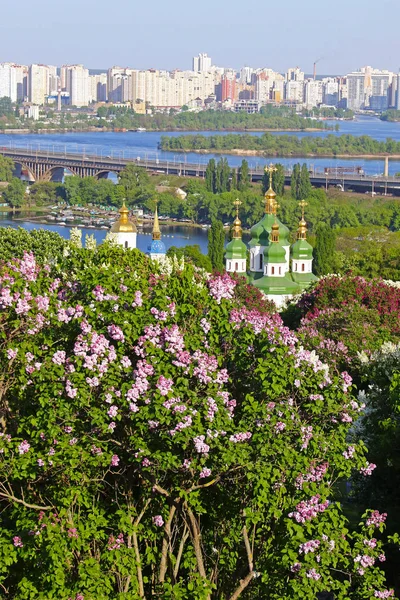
(315, 68)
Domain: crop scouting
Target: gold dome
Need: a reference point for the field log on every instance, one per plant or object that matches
(270, 201)
(124, 224)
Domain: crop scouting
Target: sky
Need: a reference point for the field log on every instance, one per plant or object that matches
(165, 34)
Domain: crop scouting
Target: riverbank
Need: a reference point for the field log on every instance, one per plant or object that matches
(266, 154)
(49, 131)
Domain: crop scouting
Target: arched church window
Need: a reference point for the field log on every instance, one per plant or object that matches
(126, 244)
(272, 270)
(303, 266)
(261, 261)
(236, 267)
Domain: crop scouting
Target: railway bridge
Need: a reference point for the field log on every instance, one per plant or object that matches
(43, 165)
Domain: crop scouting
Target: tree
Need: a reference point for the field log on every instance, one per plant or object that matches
(137, 184)
(7, 168)
(324, 251)
(181, 447)
(210, 176)
(222, 175)
(47, 245)
(243, 176)
(192, 254)
(14, 193)
(233, 183)
(216, 241)
(278, 180)
(295, 182)
(304, 188)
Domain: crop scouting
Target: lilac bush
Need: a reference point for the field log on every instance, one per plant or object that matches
(160, 439)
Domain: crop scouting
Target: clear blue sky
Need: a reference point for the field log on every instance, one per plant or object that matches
(165, 34)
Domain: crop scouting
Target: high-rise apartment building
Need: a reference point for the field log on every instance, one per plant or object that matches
(202, 63)
(367, 84)
(312, 93)
(98, 88)
(38, 83)
(295, 74)
(228, 87)
(77, 84)
(8, 81)
(295, 91)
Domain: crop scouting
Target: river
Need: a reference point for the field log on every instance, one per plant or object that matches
(145, 145)
(175, 235)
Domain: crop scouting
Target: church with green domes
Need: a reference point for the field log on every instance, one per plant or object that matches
(278, 269)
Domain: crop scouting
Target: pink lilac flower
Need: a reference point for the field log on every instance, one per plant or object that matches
(112, 411)
(73, 532)
(240, 437)
(115, 333)
(310, 546)
(382, 558)
(312, 574)
(349, 453)
(376, 518)
(384, 594)
(95, 450)
(158, 520)
(205, 325)
(23, 448)
(309, 509)
(347, 380)
(297, 383)
(205, 473)
(146, 462)
(365, 560)
(279, 427)
(221, 287)
(17, 542)
(115, 460)
(112, 426)
(138, 299)
(40, 462)
(59, 357)
(368, 469)
(186, 422)
(72, 441)
(200, 446)
(126, 362)
(164, 385)
(11, 354)
(370, 543)
(295, 568)
(115, 544)
(186, 463)
(314, 474)
(306, 435)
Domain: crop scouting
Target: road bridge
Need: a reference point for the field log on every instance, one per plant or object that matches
(44, 165)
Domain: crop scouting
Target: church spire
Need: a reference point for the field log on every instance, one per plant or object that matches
(237, 224)
(156, 226)
(270, 196)
(302, 229)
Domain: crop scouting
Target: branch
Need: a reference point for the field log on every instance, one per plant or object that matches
(166, 543)
(12, 498)
(180, 551)
(242, 586)
(196, 537)
(137, 552)
(248, 549)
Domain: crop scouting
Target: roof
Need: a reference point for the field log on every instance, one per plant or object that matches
(235, 249)
(157, 247)
(124, 224)
(280, 286)
(260, 232)
(302, 249)
(275, 253)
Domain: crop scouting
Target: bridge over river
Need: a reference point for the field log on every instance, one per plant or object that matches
(41, 165)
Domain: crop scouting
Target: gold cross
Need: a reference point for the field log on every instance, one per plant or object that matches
(237, 203)
(302, 205)
(271, 168)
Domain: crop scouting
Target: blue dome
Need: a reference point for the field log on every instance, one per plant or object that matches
(157, 247)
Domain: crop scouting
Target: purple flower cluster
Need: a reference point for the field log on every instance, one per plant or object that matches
(309, 509)
(221, 287)
(376, 518)
(311, 546)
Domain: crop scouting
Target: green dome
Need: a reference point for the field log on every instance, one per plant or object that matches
(302, 250)
(275, 253)
(261, 231)
(235, 249)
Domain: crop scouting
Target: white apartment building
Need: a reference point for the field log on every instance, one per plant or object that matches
(201, 63)
(312, 93)
(98, 88)
(330, 86)
(295, 74)
(8, 81)
(295, 91)
(77, 84)
(245, 75)
(367, 83)
(38, 83)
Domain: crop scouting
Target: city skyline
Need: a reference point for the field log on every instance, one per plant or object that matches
(344, 35)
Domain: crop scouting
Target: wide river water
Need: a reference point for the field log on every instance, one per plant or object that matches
(145, 146)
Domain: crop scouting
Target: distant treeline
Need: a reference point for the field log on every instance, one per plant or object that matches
(283, 145)
(213, 120)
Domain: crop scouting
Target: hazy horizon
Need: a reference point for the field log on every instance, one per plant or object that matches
(344, 35)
